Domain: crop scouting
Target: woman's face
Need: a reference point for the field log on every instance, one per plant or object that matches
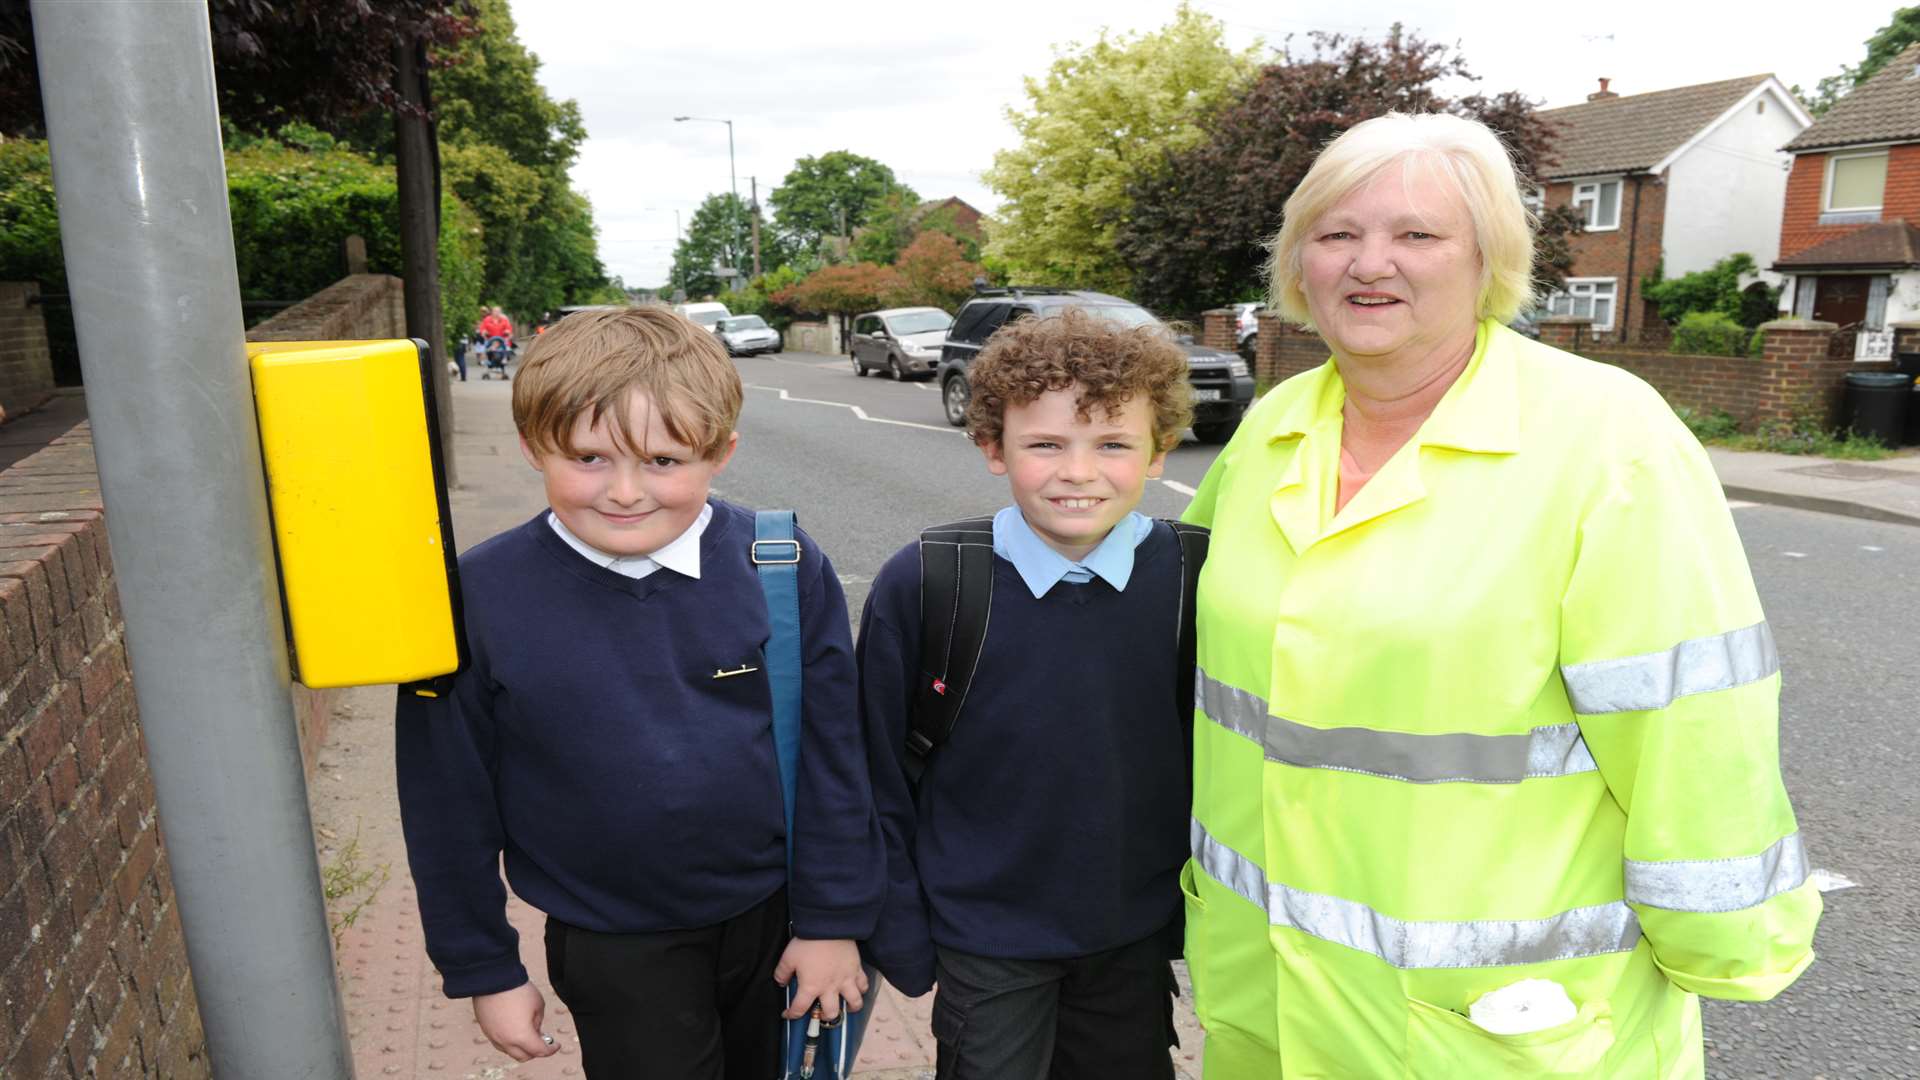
(1393, 270)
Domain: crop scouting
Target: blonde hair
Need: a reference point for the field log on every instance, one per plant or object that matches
(1464, 153)
(591, 361)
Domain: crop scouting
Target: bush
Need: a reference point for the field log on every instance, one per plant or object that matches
(1709, 333)
(1716, 289)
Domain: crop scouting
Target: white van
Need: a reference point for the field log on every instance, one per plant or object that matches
(706, 315)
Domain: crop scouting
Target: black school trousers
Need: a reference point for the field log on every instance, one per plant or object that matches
(1108, 1016)
(695, 1004)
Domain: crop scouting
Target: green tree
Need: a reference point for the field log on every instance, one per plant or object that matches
(1193, 233)
(888, 230)
(809, 204)
(1102, 116)
(1886, 43)
(715, 237)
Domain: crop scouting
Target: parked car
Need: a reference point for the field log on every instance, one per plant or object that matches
(1247, 327)
(1222, 382)
(747, 335)
(905, 341)
(703, 314)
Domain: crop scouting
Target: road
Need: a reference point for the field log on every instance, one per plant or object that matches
(868, 462)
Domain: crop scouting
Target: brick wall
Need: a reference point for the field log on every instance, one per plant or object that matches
(1797, 376)
(1800, 226)
(93, 969)
(1285, 350)
(1220, 329)
(356, 306)
(26, 367)
(1605, 254)
(93, 963)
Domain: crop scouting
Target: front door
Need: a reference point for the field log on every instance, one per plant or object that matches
(1841, 299)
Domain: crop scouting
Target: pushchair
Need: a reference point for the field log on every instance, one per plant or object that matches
(493, 357)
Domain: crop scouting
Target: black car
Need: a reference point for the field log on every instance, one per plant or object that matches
(1222, 382)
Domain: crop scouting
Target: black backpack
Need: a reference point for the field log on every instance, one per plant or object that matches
(956, 599)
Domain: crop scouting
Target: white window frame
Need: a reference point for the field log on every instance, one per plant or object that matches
(1612, 296)
(1826, 188)
(1589, 191)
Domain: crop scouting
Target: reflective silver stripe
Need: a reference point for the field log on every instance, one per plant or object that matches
(1587, 931)
(1655, 680)
(1230, 707)
(1715, 885)
(1227, 866)
(1554, 750)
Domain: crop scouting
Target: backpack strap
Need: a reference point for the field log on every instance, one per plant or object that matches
(956, 598)
(776, 554)
(1193, 556)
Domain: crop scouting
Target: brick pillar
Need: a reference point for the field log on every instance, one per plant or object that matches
(26, 367)
(1266, 353)
(1571, 333)
(1796, 377)
(1219, 329)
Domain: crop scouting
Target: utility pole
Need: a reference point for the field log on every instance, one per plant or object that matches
(134, 131)
(754, 210)
(416, 158)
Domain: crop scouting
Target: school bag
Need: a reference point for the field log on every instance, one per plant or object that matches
(809, 1049)
(956, 601)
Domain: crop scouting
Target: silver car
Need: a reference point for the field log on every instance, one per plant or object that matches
(904, 341)
(745, 335)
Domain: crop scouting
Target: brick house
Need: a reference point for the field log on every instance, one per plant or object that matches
(1677, 179)
(965, 218)
(1850, 233)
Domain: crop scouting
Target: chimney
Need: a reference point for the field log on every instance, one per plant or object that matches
(1603, 93)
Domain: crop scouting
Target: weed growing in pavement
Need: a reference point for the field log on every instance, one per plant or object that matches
(349, 888)
(1801, 435)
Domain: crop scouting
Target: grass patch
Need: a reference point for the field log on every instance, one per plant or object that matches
(1803, 435)
(349, 887)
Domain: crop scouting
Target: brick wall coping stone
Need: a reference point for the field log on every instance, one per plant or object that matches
(1799, 325)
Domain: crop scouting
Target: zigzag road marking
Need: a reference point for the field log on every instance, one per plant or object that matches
(862, 414)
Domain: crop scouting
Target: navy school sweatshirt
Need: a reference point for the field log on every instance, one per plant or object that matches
(629, 789)
(1054, 822)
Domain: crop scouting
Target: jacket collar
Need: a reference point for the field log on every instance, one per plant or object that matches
(1479, 414)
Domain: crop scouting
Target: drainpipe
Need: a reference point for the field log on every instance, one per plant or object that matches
(1633, 239)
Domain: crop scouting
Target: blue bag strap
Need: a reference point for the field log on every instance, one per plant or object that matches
(776, 554)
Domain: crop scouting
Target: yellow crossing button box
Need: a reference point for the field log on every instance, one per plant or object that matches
(351, 441)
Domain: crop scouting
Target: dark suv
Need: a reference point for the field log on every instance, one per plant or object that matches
(1222, 384)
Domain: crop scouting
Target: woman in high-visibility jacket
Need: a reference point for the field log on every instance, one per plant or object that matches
(1485, 691)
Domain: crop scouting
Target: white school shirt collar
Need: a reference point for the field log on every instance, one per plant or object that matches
(680, 555)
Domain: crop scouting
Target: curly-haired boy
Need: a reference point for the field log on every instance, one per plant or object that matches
(1030, 740)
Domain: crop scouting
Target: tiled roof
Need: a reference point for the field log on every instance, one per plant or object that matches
(1888, 244)
(1636, 131)
(1886, 108)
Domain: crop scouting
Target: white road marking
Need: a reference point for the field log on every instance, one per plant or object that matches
(1831, 881)
(857, 410)
(1794, 554)
(1871, 547)
(919, 384)
(1180, 487)
(1736, 504)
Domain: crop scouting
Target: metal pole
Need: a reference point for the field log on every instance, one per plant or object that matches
(416, 180)
(733, 182)
(135, 135)
(753, 221)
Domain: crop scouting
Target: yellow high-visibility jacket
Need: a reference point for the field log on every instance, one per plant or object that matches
(1511, 713)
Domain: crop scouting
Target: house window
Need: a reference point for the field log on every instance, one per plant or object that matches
(1856, 181)
(1599, 201)
(1589, 297)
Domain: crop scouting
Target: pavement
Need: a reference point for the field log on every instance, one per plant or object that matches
(1887, 490)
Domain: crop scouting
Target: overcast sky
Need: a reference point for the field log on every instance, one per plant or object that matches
(924, 87)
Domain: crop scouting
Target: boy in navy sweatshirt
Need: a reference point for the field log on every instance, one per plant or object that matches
(1034, 866)
(611, 736)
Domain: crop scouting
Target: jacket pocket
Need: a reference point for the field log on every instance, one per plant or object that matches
(1442, 1044)
(1196, 910)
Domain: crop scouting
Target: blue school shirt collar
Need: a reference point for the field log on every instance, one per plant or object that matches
(1041, 567)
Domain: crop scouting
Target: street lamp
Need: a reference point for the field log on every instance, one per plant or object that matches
(733, 178)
